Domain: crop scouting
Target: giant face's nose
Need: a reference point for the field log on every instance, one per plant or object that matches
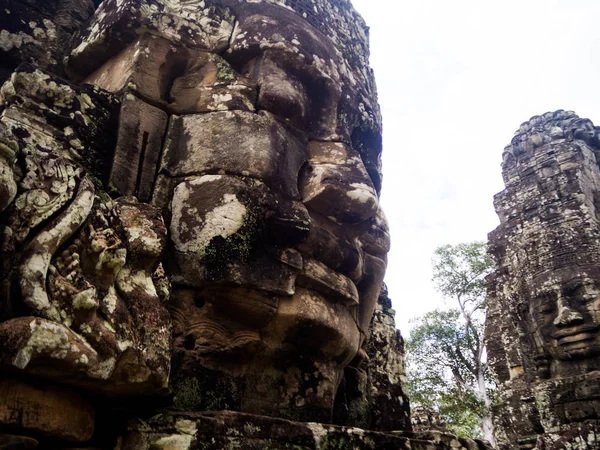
(336, 184)
(567, 317)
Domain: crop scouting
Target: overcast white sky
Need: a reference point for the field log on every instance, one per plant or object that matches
(455, 80)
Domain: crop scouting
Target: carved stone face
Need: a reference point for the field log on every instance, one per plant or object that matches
(543, 326)
(566, 313)
(229, 147)
(269, 180)
(253, 128)
(278, 241)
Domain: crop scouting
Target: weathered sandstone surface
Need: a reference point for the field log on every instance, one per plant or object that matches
(543, 327)
(191, 243)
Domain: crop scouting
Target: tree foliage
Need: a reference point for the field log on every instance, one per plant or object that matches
(441, 371)
(459, 273)
(446, 354)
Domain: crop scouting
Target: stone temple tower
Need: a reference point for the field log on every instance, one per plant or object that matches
(543, 328)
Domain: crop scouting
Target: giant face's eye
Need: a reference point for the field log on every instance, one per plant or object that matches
(581, 292)
(547, 307)
(546, 302)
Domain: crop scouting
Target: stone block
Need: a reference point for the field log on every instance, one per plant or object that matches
(298, 94)
(236, 143)
(218, 430)
(336, 184)
(334, 286)
(46, 409)
(216, 227)
(135, 165)
(116, 23)
(178, 79)
(209, 84)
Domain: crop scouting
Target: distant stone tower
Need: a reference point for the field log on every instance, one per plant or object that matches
(543, 326)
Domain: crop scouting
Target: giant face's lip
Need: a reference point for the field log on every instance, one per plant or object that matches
(313, 275)
(333, 285)
(576, 336)
(575, 339)
(573, 331)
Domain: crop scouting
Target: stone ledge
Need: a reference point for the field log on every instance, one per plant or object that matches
(227, 429)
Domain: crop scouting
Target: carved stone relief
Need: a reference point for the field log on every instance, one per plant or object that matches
(543, 323)
(190, 222)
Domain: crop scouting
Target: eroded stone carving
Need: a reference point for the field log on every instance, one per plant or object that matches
(79, 304)
(39, 32)
(371, 395)
(194, 226)
(268, 179)
(217, 430)
(543, 324)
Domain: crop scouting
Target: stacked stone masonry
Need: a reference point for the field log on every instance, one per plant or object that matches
(543, 298)
(191, 244)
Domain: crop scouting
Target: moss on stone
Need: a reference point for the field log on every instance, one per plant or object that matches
(207, 391)
(188, 395)
(224, 71)
(222, 250)
(330, 442)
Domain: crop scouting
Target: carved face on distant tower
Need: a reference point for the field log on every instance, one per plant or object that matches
(566, 312)
(543, 326)
(553, 180)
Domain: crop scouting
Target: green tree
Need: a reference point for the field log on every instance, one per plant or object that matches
(447, 365)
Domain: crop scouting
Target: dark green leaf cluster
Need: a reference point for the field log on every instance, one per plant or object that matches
(459, 272)
(442, 370)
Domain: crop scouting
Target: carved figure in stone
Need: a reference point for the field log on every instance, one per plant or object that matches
(78, 303)
(8, 185)
(543, 326)
(260, 143)
(253, 129)
(190, 223)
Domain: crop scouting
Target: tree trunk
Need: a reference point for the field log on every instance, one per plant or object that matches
(487, 426)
